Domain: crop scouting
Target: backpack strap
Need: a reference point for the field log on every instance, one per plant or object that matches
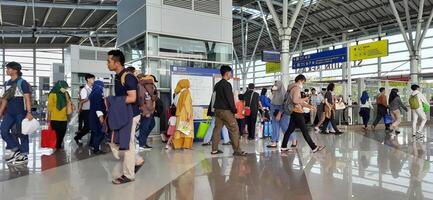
(123, 78)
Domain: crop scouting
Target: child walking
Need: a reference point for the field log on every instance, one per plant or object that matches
(171, 127)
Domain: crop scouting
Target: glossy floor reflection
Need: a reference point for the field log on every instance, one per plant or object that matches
(355, 165)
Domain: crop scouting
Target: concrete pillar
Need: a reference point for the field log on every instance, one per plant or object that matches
(285, 59)
(415, 66)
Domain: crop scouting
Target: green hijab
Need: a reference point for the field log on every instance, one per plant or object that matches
(61, 96)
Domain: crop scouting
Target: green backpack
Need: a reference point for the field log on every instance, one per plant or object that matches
(413, 102)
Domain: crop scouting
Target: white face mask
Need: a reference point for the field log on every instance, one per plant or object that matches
(274, 88)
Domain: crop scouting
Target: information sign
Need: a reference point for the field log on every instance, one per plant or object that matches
(369, 50)
(321, 58)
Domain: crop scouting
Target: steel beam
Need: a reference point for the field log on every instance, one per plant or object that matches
(59, 5)
(409, 25)
(275, 17)
(400, 25)
(45, 35)
(346, 15)
(109, 41)
(419, 23)
(265, 21)
(426, 28)
(104, 21)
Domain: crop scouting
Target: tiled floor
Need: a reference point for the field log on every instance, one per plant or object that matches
(355, 165)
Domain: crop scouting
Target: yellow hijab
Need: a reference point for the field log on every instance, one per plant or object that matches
(182, 84)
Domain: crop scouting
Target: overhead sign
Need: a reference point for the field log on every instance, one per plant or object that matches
(369, 50)
(272, 67)
(321, 58)
(271, 56)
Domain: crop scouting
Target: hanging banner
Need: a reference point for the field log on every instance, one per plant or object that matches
(369, 50)
(321, 58)
(272, 67)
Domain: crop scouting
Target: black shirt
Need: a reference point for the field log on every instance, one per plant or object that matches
(130, 84)
(252, 101)
(224, 99)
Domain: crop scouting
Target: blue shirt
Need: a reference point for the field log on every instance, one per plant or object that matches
(266, 102)
(16, 104)
(130, 84)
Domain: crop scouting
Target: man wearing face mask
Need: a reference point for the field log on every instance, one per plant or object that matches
(296, 106)
(252, 101)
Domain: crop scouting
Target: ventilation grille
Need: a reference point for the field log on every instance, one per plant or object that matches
(187, 4)
(87, 54)
(101, 55)
(207, 6)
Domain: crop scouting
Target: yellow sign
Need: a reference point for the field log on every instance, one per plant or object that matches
(369, 50)
(272, 67)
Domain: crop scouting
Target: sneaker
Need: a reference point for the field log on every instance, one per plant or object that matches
(21, 159)
(316, 128)
(145, 148)
(318, 148)
(78, 141)
(13, 157)
(167, 146)
(285, 149)
(228, 143)
(206, 144)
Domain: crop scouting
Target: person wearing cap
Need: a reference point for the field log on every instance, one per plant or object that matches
(147, 121)
(252, 100)
(16, 107)
(418, 113)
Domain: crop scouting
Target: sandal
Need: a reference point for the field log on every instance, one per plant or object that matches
(242, 153)
(137, 167)
(216, 152)
(121, 180)
(272, 146)
(319, 148)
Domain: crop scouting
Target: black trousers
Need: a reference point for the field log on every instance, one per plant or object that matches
(330, 120)
(60, 128)
(84, 115)
(297, 120)
(379, 117)
(251, 123)
(365, 114)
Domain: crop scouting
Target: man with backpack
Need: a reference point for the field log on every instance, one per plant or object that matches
(419, 106)
(294, 104)
(84, 108)
(147, 95)
(382, 109)
(18, 97)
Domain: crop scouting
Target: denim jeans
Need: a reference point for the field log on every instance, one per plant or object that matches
(279, 126)
(146, 126)
(22, 141)
(209, 132)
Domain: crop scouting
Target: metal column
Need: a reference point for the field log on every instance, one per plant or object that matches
(4, 70)
(379, 60)
(34, 68)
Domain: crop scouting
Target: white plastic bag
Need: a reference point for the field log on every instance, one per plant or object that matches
(29, 127)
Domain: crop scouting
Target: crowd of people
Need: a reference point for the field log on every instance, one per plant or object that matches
(128, 117)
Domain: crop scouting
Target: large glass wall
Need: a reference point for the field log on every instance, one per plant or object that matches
(396, 64)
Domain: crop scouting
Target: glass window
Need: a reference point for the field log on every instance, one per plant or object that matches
(195, 49)
(135, 49)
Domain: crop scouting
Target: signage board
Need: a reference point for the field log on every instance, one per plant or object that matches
(321, 58)
(271, 56)
(272, 67)
(369, 50)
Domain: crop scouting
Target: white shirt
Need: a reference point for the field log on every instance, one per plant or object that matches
(366, 105)
(84, 94)
(172, 121)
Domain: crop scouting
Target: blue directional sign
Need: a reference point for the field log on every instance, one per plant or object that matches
(321, 58)
(271, 56)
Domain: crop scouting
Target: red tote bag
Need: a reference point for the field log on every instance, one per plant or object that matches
(48, 138)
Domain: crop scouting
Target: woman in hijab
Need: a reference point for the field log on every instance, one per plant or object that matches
(279, 119)
(57, 110)
(365, 107)
(184, 135)
(96, 115)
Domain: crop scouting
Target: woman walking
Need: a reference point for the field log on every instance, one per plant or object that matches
(58, 100)
(184, 135)
(395, 104)
(365, 108)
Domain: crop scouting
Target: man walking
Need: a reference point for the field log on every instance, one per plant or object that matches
(18, 98)
(126, 86)
(84, 108)
(382, 108)
(252, 99)
(225, 110)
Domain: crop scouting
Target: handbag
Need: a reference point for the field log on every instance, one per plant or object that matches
(202, 129)
(48, 138)
(184, 128)
(29, 126)
(247, 109)
(340, 106)
(387, 119)
(69, 105)
(426, 107)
